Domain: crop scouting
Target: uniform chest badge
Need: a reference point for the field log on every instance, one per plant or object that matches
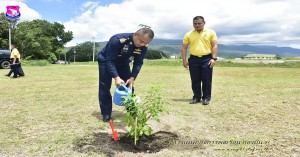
(137, 51)
(123, 40)
(124, 50)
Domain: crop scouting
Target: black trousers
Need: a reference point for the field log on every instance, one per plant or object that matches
(16, 69)
(105, 81)
(201, 76)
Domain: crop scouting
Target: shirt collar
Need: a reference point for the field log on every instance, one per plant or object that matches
(203, 30)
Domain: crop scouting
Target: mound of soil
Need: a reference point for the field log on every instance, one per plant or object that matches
(104, 143)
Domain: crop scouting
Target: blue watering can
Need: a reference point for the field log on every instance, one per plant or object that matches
(119, 93)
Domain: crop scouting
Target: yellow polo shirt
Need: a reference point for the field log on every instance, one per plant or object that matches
(14, 53)
(200, 43)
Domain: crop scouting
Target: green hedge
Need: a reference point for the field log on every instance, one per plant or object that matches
(35, 62)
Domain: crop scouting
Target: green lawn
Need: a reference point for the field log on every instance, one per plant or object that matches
(52, 107)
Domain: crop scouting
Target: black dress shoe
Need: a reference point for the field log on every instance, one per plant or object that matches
(205, 102)
(106, 118)
(7, 75)
(194, 101)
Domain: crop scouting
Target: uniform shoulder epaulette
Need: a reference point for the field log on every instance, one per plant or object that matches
(123, 40)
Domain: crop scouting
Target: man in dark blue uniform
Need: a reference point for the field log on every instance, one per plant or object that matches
(113, 61)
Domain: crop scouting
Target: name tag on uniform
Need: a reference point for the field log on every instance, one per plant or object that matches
(137, 51)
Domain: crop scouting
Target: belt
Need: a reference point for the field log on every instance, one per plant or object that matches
(209, 55)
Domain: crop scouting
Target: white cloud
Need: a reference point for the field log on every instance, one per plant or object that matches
(247, 21)
(273, 22)
(89, 5)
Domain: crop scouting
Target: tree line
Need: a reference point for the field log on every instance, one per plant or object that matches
(84, 52)
(37, 39)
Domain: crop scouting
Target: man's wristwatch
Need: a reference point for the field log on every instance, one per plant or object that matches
(214, 59)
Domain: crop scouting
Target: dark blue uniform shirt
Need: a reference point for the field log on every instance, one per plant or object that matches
(120, 50)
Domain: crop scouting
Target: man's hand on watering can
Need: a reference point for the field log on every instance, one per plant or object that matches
(130, 82)
(118, 81)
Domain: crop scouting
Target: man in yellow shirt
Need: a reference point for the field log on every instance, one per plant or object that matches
(203, 49)
(15, 62)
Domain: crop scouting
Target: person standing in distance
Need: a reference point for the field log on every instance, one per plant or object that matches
(15, 63)
(203, 48)
(113, 62)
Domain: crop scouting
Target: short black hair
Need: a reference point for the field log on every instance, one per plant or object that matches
(146, 31)
(198, 18)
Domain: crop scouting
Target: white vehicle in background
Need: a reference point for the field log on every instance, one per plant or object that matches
(60, 62)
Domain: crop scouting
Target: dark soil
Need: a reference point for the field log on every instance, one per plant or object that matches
(104, 143)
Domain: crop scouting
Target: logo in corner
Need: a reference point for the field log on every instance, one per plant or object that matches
(12, 12)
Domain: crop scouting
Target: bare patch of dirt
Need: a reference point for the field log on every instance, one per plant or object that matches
(103, 143)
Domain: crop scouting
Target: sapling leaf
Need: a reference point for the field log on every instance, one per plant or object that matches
(141, 111)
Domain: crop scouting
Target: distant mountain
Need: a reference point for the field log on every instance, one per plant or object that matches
(173, 47)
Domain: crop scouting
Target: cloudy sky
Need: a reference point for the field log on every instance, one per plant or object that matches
(263, 22)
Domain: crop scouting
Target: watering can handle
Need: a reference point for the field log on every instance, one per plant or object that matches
(123, 86)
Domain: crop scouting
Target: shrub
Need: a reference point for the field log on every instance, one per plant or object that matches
(35, 62)
(138, 113)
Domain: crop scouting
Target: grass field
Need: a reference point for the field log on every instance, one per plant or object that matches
(254, 112)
